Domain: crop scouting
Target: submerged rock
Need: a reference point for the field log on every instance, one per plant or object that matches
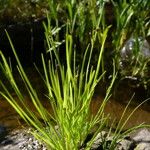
(132, 49)
(134, 61)
(130, 45)
(15, 11)
(3, 132)
(2, 129)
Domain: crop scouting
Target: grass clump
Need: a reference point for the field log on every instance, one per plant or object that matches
(70, 85)
(70, 90)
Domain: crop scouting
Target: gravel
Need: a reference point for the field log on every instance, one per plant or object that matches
(20, 139)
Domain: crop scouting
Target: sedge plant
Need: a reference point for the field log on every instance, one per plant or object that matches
(70, 90)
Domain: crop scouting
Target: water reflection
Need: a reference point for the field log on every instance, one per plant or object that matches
(10, 119)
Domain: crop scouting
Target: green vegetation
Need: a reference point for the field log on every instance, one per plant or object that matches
(119, 133)
(81, 29)
(132, 28)
(70, 92)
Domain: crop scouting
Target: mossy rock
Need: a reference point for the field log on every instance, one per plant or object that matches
(14, 11)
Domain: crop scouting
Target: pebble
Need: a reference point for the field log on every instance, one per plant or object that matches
(21, 139)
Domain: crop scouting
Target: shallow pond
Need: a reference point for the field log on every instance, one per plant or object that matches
(115, 106)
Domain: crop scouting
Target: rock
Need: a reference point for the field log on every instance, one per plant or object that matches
(142, 136)
(141, 139)
(134, 61)
(130, 48)
(21, 139)
(14, 11)
(143, 146)
(98, 140)
(124, 144)
(3, 132)
(28, 40)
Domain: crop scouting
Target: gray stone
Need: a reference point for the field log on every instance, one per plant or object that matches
(21, 139)
(98, 140)
(124, 144)
(3, 132)
(143, 146)
(130, 49)
(142, 135)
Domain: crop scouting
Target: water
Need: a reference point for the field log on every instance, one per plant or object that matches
(121, 95)
(10, 119)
